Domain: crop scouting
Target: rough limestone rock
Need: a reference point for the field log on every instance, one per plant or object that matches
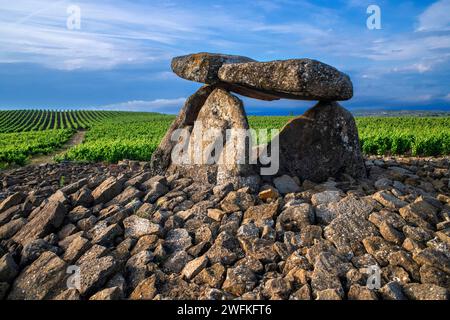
(109, 188)
(8, 268)
(203, 67)
(320, 144)
(47, 219)
(94, 273)
(43, 279)
(221, 111)
(9, 229)
(350, 226)
(301, 79)
(136, 227)
(416, 291)
(12, 201)
(286, 184)
(161, 158)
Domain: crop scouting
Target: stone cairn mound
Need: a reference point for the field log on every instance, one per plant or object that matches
(74, 231)
(320, 144)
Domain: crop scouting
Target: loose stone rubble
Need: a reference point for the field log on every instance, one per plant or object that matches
(193, 240)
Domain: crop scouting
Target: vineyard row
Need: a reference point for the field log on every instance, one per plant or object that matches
(39, 120)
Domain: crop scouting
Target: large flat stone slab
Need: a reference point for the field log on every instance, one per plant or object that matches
(300, 79)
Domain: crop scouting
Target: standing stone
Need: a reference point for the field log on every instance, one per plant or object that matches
(320, 144)
(220, 112)
(161, 158)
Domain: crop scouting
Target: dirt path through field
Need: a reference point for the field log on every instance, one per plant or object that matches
(76, 139)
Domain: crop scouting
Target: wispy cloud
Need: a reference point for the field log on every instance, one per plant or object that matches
(36, 32)
(124, 32)
(122, 36)
(436, 17)
(291, 28)
(157, 105)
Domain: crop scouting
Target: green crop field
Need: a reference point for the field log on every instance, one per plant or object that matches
(129, 136)
(17, 147)
(112, 136)
(39, 120)
(417, 136)
(24, 133)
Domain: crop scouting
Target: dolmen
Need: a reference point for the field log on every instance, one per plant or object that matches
(210, 137)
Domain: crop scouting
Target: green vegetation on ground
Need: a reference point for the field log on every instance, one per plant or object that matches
(39, 120)
(424, 136)
(113, 136)
(17, 147)
(130, 136)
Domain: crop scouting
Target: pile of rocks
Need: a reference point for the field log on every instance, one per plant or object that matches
(320, 144)
(137, 236)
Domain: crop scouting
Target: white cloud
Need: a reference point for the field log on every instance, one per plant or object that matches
(111, 34)
(125, 32)
(291, 28)
(407, 47)
(36, 32)
(436, 17)
(447, 97)
(157, 105)
(416, 67)
(424, 97)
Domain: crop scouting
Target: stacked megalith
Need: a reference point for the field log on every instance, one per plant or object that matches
(320, 144)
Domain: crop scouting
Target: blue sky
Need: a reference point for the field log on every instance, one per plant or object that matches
(120, 57)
